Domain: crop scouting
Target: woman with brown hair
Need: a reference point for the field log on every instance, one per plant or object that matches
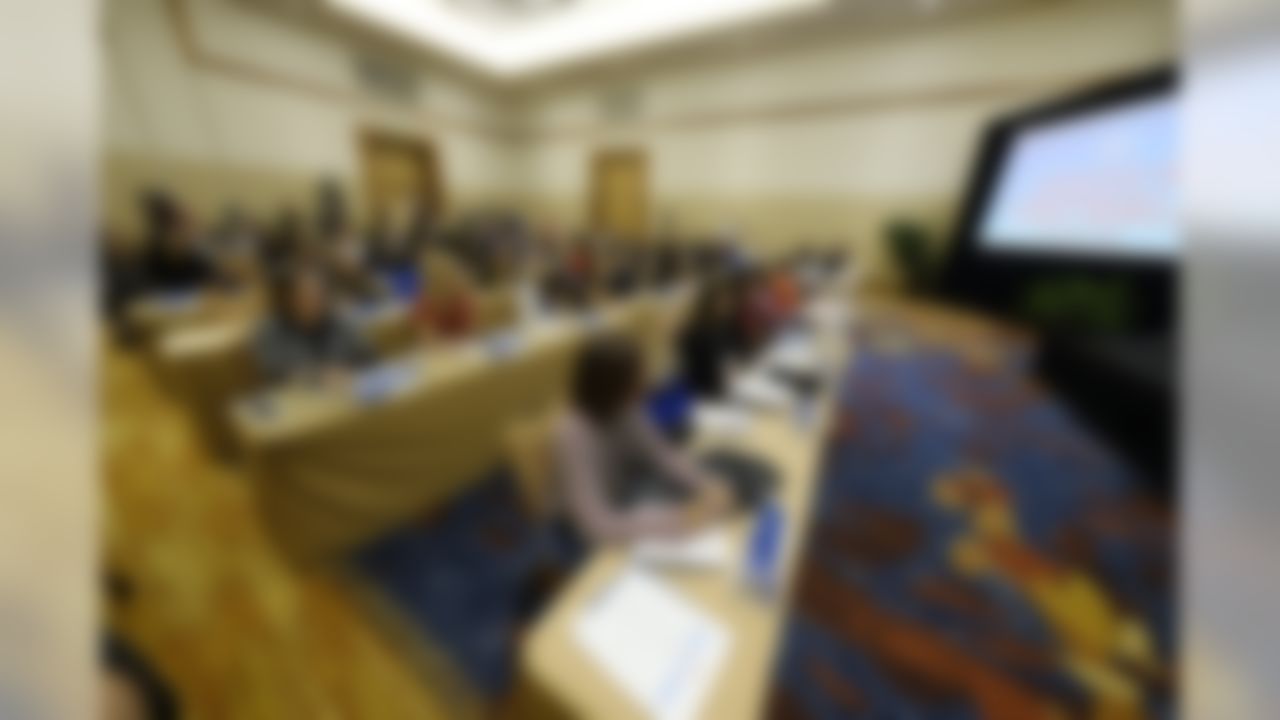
(619, 478)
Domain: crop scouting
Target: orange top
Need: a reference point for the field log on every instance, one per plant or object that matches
(451, 317)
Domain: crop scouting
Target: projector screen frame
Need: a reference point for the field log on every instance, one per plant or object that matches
(997, 145)
(994, 280)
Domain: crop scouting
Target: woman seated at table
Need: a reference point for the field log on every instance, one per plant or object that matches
(349, 271)
(172, 261)
(784, 292)
(619, 480)
(706, 342)
(562, 288)
(753, 314)
(446, 310)
(304, 338)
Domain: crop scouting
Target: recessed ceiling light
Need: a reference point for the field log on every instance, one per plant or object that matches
(577, 31)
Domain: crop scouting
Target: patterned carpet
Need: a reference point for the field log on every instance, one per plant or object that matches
(467, 579)
(975, 555)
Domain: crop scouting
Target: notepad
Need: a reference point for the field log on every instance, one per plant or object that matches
(503, 345)
(660, 650)
(367, 313)
(720, 419)
(177, 301)
(828, 314)
(759, 390)
(595, 320)
(795, 356)
(706, 550)
(383, 382)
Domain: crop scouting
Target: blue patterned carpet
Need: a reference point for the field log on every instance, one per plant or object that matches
(467, 579)
(975, 555)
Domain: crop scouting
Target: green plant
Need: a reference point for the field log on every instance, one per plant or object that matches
(910, 247)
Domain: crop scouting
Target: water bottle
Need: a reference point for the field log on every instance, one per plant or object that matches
(764, 550)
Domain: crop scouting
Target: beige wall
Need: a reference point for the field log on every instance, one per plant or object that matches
(820, 141)
(829, 141)
(261, 132)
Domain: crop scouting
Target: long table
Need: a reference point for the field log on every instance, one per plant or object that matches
(559, 678)
(333, 467)
(208, 365)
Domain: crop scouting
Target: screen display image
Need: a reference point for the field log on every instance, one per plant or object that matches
(1101, 184)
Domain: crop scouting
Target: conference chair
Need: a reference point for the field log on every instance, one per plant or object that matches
(530, 455)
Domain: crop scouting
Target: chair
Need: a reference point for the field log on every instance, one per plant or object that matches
(529, 450)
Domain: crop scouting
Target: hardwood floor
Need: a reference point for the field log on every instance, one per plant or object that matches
(238, 633)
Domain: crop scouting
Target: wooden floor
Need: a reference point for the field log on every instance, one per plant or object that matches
(235, 630)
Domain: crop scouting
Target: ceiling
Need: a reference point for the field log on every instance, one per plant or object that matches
(511, 39)
(518, 41)
(512, 11)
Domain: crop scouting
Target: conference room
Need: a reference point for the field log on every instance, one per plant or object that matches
(672, 359)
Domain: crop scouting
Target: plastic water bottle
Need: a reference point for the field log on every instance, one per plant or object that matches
(764, 550)
(805, 412)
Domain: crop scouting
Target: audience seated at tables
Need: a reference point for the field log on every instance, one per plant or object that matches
(753, 313)
(304, 338)
(122, 282)
(706, 341)
(619, 480)
(399, 236)
(625, 274)
(172, 262)
(233, 232)
(665, 266)
(284, 244)
(563, 287)
(785, 294)
(446, 310)
(582, 262)
(234, 248)
(353, 281)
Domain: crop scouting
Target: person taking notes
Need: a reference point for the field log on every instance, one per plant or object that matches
(304, 338)
(619, 480)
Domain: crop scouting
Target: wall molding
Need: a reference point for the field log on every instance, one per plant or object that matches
(857, 103)
(850, 104)
(204, 59)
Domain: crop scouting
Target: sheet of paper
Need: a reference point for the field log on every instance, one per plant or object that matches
(706, 550)
(176, 302)
(756, 388)
(827, 313)
(203, 339)
(720, 419)
(503, 344)
(370, 313)
(660, 650)
(385, 381)
(795, 356)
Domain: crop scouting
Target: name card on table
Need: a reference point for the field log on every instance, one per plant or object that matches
(761, 390)
(368, 312)
(706, 550)
(377, 385)
(720, 419)
(594, 320)
(176, 302)
(503, 345)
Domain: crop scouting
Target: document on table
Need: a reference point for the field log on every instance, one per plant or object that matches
(384, 381)
(660, 650)
(758, 389)
(795, 356)
(706, 550)
(720, 419)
